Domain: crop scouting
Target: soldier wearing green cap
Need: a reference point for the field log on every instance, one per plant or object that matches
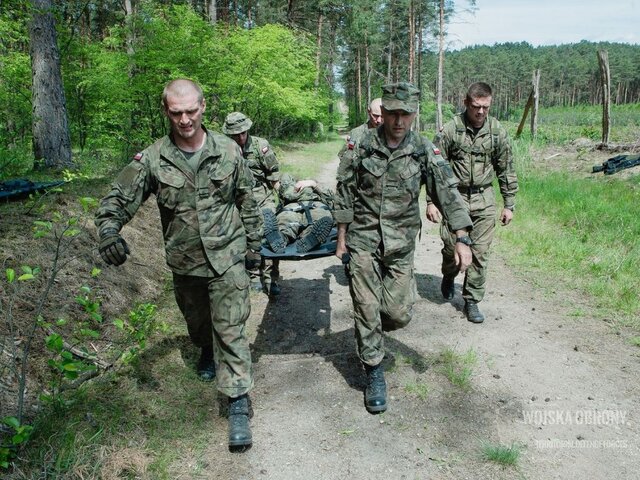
(378, 215)
(266, 173)
(479, 151)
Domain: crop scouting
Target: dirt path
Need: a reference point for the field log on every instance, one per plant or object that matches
(563, 387)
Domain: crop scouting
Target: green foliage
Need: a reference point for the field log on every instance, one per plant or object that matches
(138, 327)
(18, 434)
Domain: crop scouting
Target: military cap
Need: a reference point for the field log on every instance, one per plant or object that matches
(236, 122)
(400, 96)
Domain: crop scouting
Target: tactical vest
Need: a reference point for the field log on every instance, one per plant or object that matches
(494, 133)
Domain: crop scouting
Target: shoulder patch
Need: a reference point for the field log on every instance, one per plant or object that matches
(436, 150)
(138, 156)
(351, 144)
(265, 149)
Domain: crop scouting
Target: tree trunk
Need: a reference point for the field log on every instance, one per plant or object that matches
(390, 53)
(359, 87)
(213, 11)
(536, 101)
(412, 41)
(440, 68)
(605, 77)
(318, 50)
(51, 142)
(367, 67)
(527, 107)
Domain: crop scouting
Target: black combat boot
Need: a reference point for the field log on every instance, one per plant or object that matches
(275, 239)
(447, 287)
(274, 288)
(239, 431)
(206, 368)
(375, 396)
(473, 313)
(314, 235)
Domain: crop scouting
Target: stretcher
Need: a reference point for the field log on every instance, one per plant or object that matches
(290, 253)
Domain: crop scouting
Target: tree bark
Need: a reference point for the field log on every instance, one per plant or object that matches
(440, 68)
(51, 141)
(605, 78)
(536, 101)
(213, 11)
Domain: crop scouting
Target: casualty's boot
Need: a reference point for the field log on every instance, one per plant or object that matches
(447, 287)
(274, 238)
(472, 312)
(239, 431)
(206, 368)
(375, 396)
(314, 235)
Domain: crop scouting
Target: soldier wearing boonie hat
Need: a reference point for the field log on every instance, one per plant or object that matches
(378, 215)
(266, 173)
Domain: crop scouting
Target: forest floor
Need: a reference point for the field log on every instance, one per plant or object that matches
(560, 389)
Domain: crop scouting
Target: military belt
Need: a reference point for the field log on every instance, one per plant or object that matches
(471, 189)
(300, 208)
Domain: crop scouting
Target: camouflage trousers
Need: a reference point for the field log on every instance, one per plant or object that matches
(482, 210)
(269, 270)
(216, 310)
(383, 291)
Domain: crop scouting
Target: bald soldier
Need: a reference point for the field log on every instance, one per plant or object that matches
(266, 173)
(376, 208)
(203, 188)
(374, 120)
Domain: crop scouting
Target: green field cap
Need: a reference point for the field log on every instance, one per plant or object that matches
(400, 96)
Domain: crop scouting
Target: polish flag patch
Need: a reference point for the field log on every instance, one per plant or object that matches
(138, 156)
(351, 145)
(436, 150)
(265, 150)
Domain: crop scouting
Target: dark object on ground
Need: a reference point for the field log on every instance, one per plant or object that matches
(617, 163)
(472, 312)
(291, 253)
(21, 187)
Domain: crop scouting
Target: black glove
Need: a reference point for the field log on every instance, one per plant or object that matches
(252, 260)
(113, 249)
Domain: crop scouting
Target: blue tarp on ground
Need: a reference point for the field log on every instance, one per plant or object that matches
(21, 187)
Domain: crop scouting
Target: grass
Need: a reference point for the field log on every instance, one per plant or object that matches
(458, 367)
(583, 234)
(507, 456)
(420, 390)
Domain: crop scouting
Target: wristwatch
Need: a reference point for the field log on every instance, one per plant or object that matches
(465, 239)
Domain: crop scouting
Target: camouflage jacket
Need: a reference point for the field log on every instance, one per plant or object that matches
(478, 158)
(264, 166)
(377, 195)
(349, 149)
(209, 216)
(290, 198)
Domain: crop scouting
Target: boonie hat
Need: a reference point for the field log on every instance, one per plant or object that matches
(236, 122)
(400, 96)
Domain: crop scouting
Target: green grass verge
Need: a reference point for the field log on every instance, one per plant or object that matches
(579, 234)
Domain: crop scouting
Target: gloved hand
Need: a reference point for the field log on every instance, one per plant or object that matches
(252, 260)
(113, 249)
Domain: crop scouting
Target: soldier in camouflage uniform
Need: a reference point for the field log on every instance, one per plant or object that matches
(378, 216)
(304, 216)
(266, 173)
(478, 150)
(374, 120)
(209, 217)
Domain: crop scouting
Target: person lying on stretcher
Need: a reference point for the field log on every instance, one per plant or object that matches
(303, 216)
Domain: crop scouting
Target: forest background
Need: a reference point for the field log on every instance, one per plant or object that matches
(287, 65)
